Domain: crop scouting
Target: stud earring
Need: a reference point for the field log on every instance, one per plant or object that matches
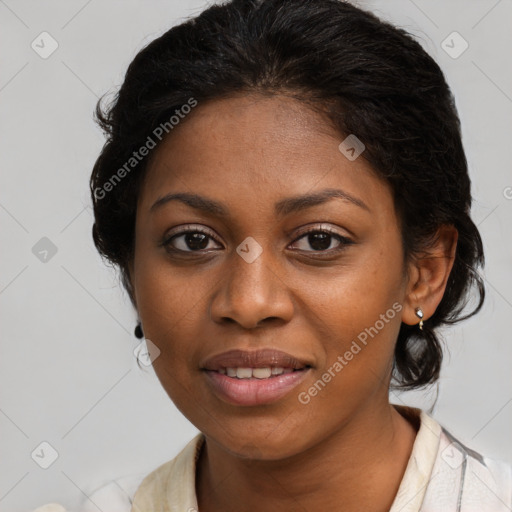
(419, 314)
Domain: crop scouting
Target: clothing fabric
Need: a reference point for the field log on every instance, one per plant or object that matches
(442, 475)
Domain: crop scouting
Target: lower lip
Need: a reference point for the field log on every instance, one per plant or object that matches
(254, 391)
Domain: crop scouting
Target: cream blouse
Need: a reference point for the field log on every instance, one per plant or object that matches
(442, 475)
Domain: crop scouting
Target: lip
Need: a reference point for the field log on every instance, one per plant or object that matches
(251, 392)
(254, 359)
(254, 391)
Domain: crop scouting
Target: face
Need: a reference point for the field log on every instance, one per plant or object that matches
(273, 284)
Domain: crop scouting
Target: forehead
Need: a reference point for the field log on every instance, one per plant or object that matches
(260, 146)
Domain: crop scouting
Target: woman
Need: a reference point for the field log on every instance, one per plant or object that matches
(285, 192)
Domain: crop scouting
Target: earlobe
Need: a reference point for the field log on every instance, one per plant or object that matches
(419, 313)
(428, 275)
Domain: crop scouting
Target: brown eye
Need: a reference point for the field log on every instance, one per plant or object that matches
(321, 241)
(189, 241)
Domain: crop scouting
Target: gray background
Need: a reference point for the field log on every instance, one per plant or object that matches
(68, 373)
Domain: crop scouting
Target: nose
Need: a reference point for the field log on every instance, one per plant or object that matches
(252, 294)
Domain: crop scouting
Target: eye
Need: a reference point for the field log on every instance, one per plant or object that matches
(321, 240)
(189, 240)
(194, 239)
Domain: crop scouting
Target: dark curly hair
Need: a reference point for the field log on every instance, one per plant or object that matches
(366, 76)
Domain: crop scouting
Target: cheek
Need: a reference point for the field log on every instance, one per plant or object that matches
(354, 295)
(359, 309)
(360, 324)
(168, 304)
(358, 349)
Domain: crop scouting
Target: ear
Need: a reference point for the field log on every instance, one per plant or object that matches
(428, 275)
(130, 267)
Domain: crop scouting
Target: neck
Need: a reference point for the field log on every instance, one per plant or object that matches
(359, 466)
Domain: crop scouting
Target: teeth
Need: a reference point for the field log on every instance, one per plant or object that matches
(257, 373)
(244, 373)
(261, 373)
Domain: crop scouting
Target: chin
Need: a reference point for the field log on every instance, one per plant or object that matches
(263, 444)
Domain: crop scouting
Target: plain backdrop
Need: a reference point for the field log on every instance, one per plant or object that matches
(68, 372)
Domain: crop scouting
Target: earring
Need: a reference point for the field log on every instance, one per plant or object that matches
(419, 314)
(138, 331)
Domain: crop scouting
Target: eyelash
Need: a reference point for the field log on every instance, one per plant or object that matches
(344, 241)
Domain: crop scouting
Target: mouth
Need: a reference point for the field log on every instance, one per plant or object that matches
(254, 378)
(265, 372)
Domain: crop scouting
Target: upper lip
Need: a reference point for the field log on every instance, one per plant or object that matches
(254, 359)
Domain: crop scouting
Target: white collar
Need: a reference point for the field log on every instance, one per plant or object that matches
(171, 487)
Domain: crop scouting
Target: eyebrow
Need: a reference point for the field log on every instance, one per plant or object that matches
(281, 208)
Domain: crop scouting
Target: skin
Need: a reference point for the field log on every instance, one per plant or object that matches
(348, 445)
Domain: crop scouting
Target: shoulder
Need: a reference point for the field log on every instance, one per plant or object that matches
(144, 491)
(464, 480)
(115, 496)
(172, 482)
(443, 474)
